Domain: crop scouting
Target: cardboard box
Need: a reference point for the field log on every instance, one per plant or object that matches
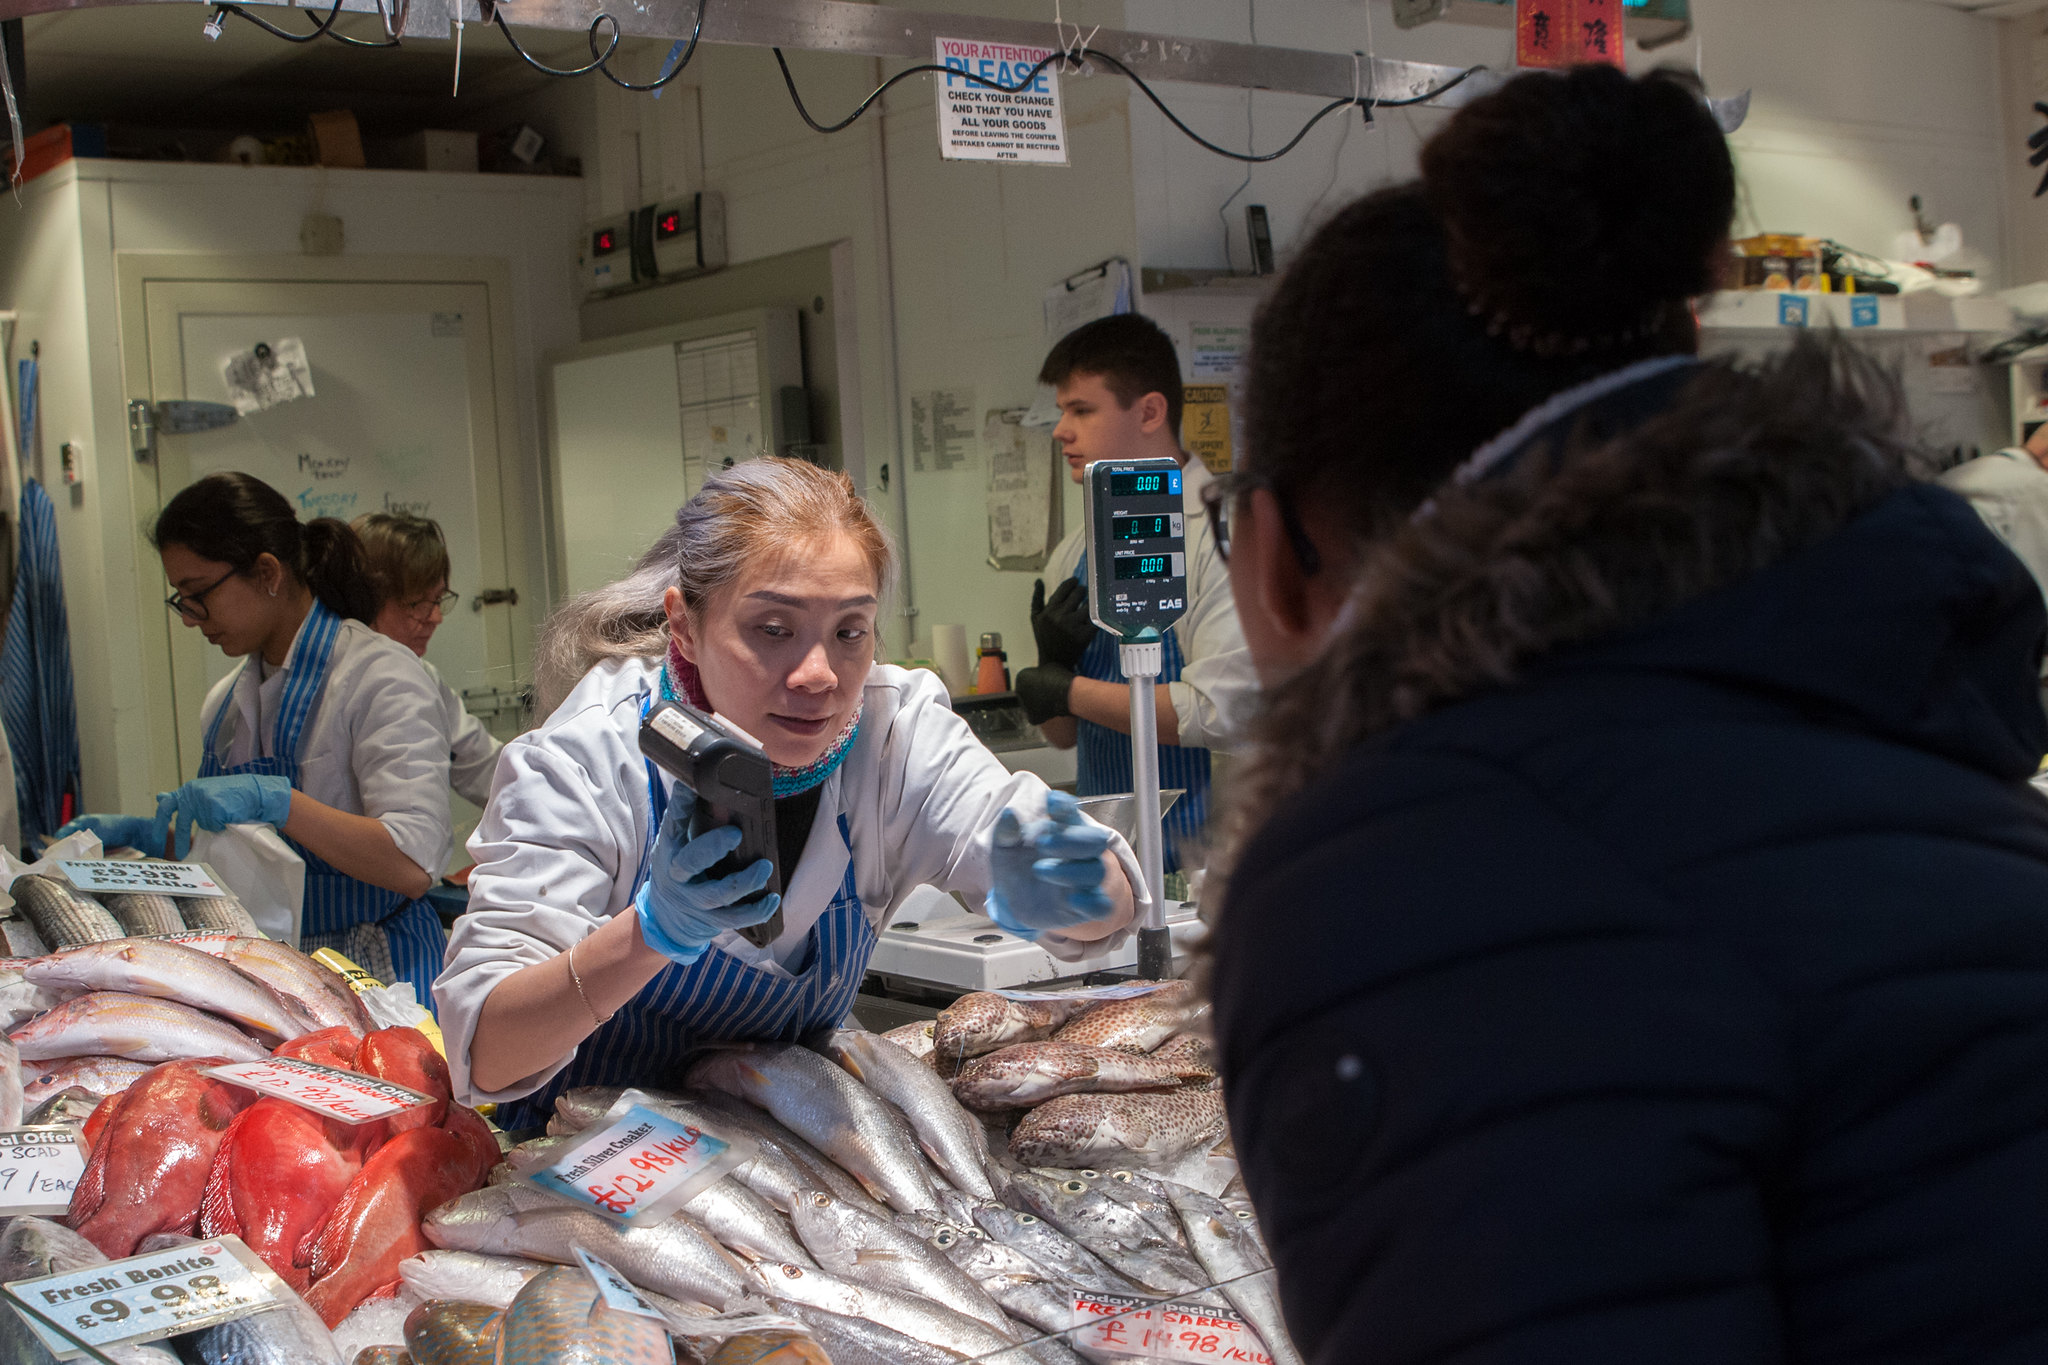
(438, 149)
(336, 139)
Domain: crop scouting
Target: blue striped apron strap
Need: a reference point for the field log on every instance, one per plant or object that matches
(1104, 757)
(302, 689)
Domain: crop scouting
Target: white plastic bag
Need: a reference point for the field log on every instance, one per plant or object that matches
(257, 865)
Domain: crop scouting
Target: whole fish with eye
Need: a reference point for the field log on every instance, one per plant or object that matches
(871, 1251)
(824, 1105)
(1024, 1288)
(1112, 1231)
(172, 971)
(63, 916)
(74, 1105)
(1140, 1023)
(143, 913)
(1119, 1130)
(954, 1139)
(909, 1314)
(1235, 1259)
(152, 1156)
(1065, 1259)
(1145, 1194)
(138, 1027)
(1028, 1074)
(982, 1021)
(102, 1076)
(765, 1128)
(33, 1247)
(559, 1319)
(291, 973)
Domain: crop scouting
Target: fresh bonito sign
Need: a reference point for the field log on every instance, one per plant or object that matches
(978, 123)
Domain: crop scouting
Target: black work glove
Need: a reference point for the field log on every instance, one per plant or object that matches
(1061, 626)
(1043, 692)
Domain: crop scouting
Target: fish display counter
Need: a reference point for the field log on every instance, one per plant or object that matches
(1028, 1178)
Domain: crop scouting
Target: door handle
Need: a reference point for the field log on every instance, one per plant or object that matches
(494, 597)
(174, 417)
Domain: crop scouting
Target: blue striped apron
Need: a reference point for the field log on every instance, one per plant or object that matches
(1104, 755)
(341, 912)
(717, 998)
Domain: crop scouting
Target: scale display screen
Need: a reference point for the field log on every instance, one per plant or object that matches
(1143, 528)
(1142, 566)
(1145, 484)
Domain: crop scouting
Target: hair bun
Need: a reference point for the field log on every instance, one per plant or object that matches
(1580, 207)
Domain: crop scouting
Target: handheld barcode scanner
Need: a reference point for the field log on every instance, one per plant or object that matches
(729, 771)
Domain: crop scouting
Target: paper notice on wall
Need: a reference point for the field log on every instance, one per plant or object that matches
(978, 122)
(1097, 292)
(273, 372)
(1021, 491)
(1217, 350)
(941, 429)
(1205, 425)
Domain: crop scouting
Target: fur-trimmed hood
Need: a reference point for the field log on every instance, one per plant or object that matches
(1758, 528)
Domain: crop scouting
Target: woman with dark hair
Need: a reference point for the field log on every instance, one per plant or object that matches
(408, 560)
(327, 731)
(1639, 820)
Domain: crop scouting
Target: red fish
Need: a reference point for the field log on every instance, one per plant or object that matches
(277, 1177)
(327, 1047)
(405, 1057)
(376, 1223)
(149, 1169)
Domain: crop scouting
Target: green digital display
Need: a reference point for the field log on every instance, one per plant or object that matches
(1140, 528)
(1141, 566)
(1140, 485)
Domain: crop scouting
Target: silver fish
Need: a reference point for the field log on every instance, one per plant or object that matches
(33, 1247)
(138, 1027)
(856, 1341)
(906, 1313)
(1238, 1264)
(674, 1257)
(1143, 1193)
(1140, 1023)
(1059, 1255)
(10, 1085)
(983, 1021)
(583, 1106)
(469, 1276)
(223, 914)
(1119, 1130)
(172, 971)
(1027, 1074)
(915, 1038)
(1112, 1231)
(102, 1076)
(558, 1319)
(1022, 1286)
(290, 972)
(950, 1136)
(20, 1000)
(63, 916)
(827, 1107)
(764, 1127)
(874, 1252)
(74, 1105)
(144, 914)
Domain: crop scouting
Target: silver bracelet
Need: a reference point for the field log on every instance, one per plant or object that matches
(603, 1019)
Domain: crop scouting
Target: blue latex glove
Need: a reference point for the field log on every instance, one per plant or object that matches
(131, 831)
(681, 910)
(1048, 874)
(214, 803)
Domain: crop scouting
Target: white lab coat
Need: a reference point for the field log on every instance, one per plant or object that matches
(472, 749)
(1218, 691)
(374, 745)
(561, 842)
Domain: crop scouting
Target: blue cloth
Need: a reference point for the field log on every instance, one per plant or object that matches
(717, 998)
(1685, 1001)
(37, 703)
(1103, 757)
(336, 903)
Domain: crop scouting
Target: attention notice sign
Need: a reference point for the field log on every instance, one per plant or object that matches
(1021, 122)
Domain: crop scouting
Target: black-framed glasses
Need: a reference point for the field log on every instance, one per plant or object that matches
(192, 606)
(444, 601)
(1219, 497)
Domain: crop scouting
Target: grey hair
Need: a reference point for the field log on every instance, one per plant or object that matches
(754, 509)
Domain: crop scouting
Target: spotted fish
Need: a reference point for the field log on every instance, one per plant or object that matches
(1140, 1023)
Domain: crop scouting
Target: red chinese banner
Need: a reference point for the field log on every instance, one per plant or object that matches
(1541, 33)
(1596, 33)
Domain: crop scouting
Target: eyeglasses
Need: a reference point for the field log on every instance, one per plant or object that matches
(426, 606)
(1220, 495)
(192, 606)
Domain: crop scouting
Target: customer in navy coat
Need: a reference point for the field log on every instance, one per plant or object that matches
(1636, 948)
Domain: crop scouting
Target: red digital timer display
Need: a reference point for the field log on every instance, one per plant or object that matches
(667, 226)
(603, 242)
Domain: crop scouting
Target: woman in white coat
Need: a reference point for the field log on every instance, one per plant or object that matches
(596, 949)
(327, 731)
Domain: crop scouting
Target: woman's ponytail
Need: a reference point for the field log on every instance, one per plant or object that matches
(337, 568)
(236, 519)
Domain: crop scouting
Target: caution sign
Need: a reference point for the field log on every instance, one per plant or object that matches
(1205, 425)
(1021, 122)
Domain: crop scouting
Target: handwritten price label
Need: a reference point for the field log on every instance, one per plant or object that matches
(325, 1090)
(141, 878)
(638, 1169)
(1111, 1325)
(144, 1298)
(39, 1168)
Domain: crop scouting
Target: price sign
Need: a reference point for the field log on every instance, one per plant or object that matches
(615, 1289)
(39, 1168)
(638, 1169)
(1112, 1325)
(141, 877)
(326, 1090)
(145, 1298)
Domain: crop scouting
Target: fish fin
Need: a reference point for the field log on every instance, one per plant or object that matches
(217, 1206)
(91, 1191)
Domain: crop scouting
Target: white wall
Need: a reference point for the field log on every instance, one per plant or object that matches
(57, 266)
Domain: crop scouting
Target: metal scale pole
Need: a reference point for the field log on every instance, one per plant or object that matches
(1141, 662)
